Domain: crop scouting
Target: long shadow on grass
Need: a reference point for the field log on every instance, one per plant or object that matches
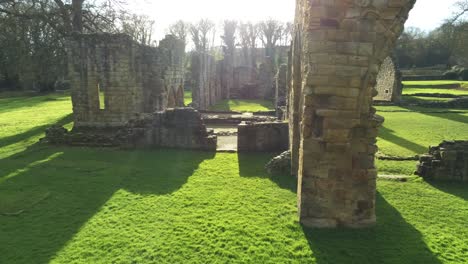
(253, 165)
(388, 134)
(456, 117)
(454, 188)
(392, 240)
(11, 104)
(33, 132)
(80, 181)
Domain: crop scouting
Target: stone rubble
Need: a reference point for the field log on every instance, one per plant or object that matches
(280, 164)
(446, 162)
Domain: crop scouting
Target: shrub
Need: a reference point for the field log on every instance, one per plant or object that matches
(450, 75)
(463, 75)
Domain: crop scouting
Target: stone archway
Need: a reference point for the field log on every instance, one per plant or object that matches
(340, 48)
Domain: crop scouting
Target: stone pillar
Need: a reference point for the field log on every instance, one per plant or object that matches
(266, 80)
(343, 44)
(281, 86)
(295, 98)
(205, 85)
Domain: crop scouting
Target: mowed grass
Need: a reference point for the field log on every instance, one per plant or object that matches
(422, 99)
(244, 105)
(236, 105)
(91, 205)
(410, 91)
(187, 97)
(23, 120)
(436, 82)
(410, 131)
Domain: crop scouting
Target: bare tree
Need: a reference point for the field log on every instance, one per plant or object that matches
(270, 33)
(229, 37)
(66, 16)
(462, 10)
(33, 36)
(139, 27)
(200, 33)
(248, 34)
(180, 30)
(287, 35)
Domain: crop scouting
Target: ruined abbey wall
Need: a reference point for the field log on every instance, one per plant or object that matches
(281, 86)
(337, 51)
(114, 77)
(389, 82)
(215, 80)
(206, 81)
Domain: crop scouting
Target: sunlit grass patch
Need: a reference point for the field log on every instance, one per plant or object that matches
(244, 105)
(411, 91)
(438, 82)
(187, 97)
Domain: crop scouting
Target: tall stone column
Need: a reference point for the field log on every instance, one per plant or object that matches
(343, 45)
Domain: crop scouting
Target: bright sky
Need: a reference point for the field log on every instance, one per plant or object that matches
(427, 14)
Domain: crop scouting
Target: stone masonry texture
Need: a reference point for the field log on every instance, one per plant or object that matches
(446, 162)
(389, 82)
(114, 77)
(340, 45)
(262, 137)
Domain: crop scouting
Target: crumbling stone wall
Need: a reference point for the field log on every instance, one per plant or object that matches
(281, 88)
(389, 82)
(266, 80)
(233, 77)
(206, 81)
(446, 162)
(114, 77)
(181, 128)
(341, 47)
(262, 137)
(173, 128)
(245, 84)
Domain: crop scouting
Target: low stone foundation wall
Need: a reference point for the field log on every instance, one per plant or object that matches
(182, 128)
(263, 137)
(448, 161)
(174, 128)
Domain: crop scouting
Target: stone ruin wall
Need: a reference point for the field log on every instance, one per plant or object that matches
(389, 82)
(132, 78)
(337, 51)
(215, 80)
(141, 88)
(207, 80)
(244, 83)
(262, 137)
(446, 162)
(266, 80)
(281, 90)
(172, 64)
(181, 128)
(254, 83)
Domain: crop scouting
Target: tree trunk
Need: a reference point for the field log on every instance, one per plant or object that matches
(77, 15)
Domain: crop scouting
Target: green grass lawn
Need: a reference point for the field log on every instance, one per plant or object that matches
(244, 105)
(236, 105)
(409, 91)
(187, 97)
(92, 205)
(24, 119)
(440, 82)
(410, 131)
